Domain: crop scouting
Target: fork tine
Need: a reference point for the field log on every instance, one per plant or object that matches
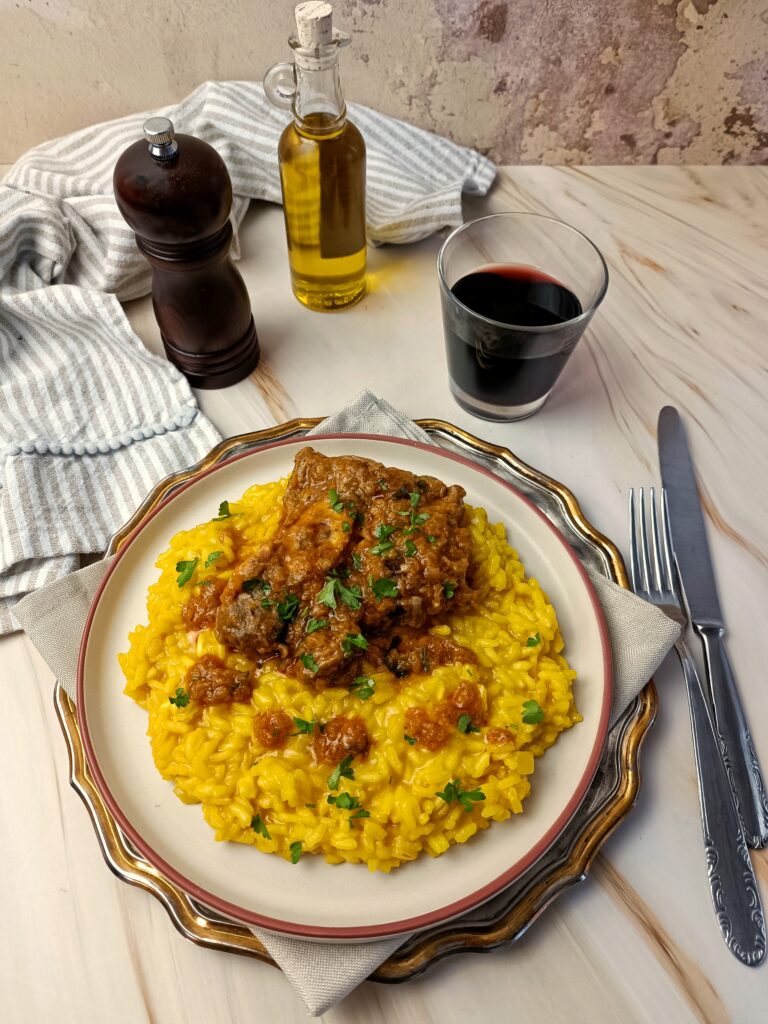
(644, 546)
(656, 549)
(634, 565)
(666, 544)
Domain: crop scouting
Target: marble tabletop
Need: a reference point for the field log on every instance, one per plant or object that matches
(683, 323)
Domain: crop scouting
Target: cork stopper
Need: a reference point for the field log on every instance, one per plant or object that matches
(314, 24)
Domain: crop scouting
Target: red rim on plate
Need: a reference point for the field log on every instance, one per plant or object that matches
(391, 928)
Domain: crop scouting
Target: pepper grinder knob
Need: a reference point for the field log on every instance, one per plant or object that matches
(159, 133)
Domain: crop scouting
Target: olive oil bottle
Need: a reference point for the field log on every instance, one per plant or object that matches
(322, 166)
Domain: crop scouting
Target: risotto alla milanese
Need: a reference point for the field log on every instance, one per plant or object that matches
(349, 662)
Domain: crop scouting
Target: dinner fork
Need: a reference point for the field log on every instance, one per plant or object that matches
(732, 884)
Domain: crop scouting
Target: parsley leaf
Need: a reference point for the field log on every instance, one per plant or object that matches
(256, 584)
(259, 827)
(214, 556)
(309, 662)
(352, 641)
(333, 500)
(328, 594)
(351, 596)
(313, 625)
(344, 801)
(533, 641)
(362, 687)
(382, 548)
(415, 498)
(532, 712)
(383, 532)
(449, 588)
(464, 724)
(383, 485)
(345, 527)
(224, 512)
(410, 548)
(304, 726)
(409, 739)
(295, 852)
(431, 538)
(357, 561)
(181, 699)
(341, 771)
(185, 571)
(455, 791)
(384, 587)
(287, 608)
(361, 813)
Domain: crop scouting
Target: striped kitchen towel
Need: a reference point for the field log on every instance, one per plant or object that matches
(89, 420)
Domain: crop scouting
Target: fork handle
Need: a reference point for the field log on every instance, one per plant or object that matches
(732, 884)
(736, 746)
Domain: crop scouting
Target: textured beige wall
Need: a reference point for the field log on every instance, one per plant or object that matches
(553, 81)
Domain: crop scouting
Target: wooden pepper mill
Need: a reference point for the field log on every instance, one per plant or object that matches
(176, 194)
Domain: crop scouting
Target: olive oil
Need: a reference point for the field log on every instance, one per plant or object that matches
(322, 167)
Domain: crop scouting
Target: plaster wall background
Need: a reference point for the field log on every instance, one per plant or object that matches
(526, 81)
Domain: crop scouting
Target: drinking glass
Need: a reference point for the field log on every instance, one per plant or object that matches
(543, 281)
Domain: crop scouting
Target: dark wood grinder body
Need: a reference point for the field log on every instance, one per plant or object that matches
(176, 194)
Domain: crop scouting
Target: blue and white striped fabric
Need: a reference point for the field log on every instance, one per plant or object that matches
(89, 420)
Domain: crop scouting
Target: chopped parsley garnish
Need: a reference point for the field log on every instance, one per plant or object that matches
(304, 726)
(362, 687)
(185, 571)
(352, 641)
(417, 520)
(181, 699)
(384, 587)
(415, 498)
(357, 561)
(257, 583)
(345, 527)
(344, 801)
(455, 791)
(409, 739)
(361, 813)
(224, 512)
(343, 770)
(295, 852)
(410, 548)
(383, 532)
(464, 724)
(333, 500)
(449, 588)
(383, 485)
(532, 712)
(259, 827)
(382, 547)
(266, 603)
(313, 625)
(287, 608)
(328, 594)
(213, 557)
(533, 641)
(351, 596)
(424, 658)
(431, 538)
(309, 662)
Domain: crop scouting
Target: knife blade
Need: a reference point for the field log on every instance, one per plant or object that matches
(694, 565)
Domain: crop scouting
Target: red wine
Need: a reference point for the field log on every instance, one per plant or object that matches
(500, 361)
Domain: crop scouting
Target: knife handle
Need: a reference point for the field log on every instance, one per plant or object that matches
(732, 884)
(736, 747)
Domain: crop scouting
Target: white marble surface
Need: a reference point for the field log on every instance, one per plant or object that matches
(684, 322)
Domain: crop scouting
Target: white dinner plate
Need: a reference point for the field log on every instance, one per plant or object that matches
(314, 899)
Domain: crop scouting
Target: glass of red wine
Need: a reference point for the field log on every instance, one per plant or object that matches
(517, 289)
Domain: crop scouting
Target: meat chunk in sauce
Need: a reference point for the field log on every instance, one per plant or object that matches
(209, 681)
(341, 737)
(409, 651)
(199, 612)
(361, 548)
(423, 728)
(272, 728)
(431, 729)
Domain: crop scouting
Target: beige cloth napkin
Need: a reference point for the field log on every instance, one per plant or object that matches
(324, 973)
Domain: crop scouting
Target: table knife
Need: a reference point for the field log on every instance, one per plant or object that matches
(694, 564)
